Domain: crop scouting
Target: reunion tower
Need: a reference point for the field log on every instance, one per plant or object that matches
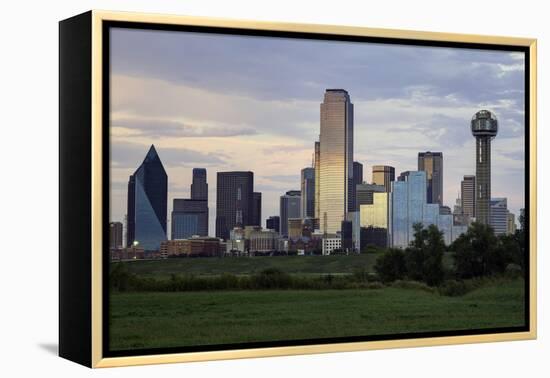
(484, 129)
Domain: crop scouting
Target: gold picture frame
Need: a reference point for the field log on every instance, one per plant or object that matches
(90, 26)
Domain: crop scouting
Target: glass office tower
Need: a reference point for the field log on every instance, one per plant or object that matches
(147, 203)
(336, 160)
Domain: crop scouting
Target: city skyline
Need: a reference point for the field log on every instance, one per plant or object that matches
(198, 123)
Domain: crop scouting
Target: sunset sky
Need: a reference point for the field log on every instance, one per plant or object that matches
(252, 103)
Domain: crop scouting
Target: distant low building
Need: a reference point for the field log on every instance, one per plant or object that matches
(129, 253)
(264, 241)
(192, 247)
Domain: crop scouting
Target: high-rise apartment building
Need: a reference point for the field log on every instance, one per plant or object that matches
(147, 203)
(234, 201)
(432, 164)
(383, 175)
(336, 160)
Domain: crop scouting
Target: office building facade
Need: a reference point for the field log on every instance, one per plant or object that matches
(147, 203)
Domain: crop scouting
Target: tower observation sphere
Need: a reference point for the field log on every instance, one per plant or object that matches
(484, 128)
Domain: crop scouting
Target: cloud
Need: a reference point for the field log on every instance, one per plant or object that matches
(158, 128)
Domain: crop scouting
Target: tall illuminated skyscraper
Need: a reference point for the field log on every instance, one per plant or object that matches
(336, 160)
(147, 203)
(432, 164)
(484, 127)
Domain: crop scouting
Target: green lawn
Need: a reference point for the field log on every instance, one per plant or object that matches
(154, 320)
(250, 265)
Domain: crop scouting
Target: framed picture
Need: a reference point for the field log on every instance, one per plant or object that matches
(234, 189)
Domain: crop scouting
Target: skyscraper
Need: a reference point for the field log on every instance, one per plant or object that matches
(234, 201)
(484, 128)
(336, 160)
(115, 235)
(357, 180)
(189, 218)
(273, 223)
(199, 187)
(383, 175)
(432, 164)
(257, 209)
(308, 193)
(468, 195)
(147, 203)
(289, 208)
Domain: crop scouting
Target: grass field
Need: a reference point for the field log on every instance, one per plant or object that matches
(154, 320)
(251, 265)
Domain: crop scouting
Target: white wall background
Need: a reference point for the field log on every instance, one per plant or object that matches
(28, 185)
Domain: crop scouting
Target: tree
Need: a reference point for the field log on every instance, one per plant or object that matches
(390, 266)
(477, 252)
(424, 256)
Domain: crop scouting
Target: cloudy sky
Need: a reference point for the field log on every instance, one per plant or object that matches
(252, 103)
